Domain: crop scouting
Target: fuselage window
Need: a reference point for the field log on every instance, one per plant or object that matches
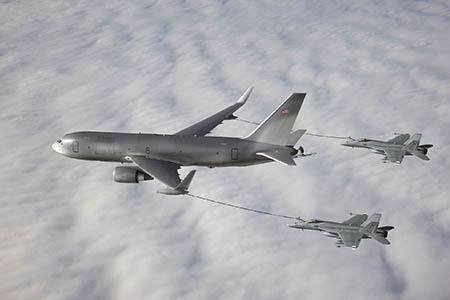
(234, 153)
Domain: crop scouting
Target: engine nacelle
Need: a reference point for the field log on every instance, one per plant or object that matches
(130, 175)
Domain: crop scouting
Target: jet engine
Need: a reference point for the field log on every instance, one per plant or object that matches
(130, 175)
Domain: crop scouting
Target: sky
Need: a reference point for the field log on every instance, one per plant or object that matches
(369, 68)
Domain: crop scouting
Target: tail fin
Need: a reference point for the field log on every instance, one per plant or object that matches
(370, 226)
(295, 136)
(413, 142)
(370, 229)
(412, 146)
(276, 129)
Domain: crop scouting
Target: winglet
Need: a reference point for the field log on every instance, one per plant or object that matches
(245, 96)
(181, 188)
(184, 185)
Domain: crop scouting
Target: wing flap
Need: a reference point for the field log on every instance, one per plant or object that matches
(395, 156)
(351, 239)
(380, 239)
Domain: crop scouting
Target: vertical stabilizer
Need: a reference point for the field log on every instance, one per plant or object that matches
(276, 128)
(412, 144)
(371, 225)
(295, 136)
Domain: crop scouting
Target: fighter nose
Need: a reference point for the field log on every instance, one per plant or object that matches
(55, 147)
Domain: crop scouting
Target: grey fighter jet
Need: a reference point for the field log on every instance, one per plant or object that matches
(350, 232)
(394, 149)
(161, 155)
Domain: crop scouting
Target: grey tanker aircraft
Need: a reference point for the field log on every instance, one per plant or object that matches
(350, 232)
(161, 155)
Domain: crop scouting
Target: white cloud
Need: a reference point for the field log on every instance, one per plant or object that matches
(67, 231)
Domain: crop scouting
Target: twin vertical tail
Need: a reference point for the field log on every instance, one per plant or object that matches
(370, 228)
(276, 128)
(413, 146)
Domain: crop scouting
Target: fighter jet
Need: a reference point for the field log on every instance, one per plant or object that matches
(161, 155)
(350, 232)
(394, 149)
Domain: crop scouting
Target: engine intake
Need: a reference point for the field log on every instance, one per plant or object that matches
(130, 175)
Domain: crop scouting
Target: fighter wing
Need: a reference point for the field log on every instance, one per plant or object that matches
(395, 156)
(356, 220)
(399, 139)
(164, 171)
(205, 126)
(350, 239)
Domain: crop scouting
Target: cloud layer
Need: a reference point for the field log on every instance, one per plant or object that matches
(370, 69)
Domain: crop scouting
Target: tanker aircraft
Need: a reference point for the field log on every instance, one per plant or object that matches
(350, 232)
(161, 155)
(394, 149)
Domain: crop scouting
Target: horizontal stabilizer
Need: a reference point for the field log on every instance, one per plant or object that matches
(380, 239)
(420, 155)
(283, 157)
